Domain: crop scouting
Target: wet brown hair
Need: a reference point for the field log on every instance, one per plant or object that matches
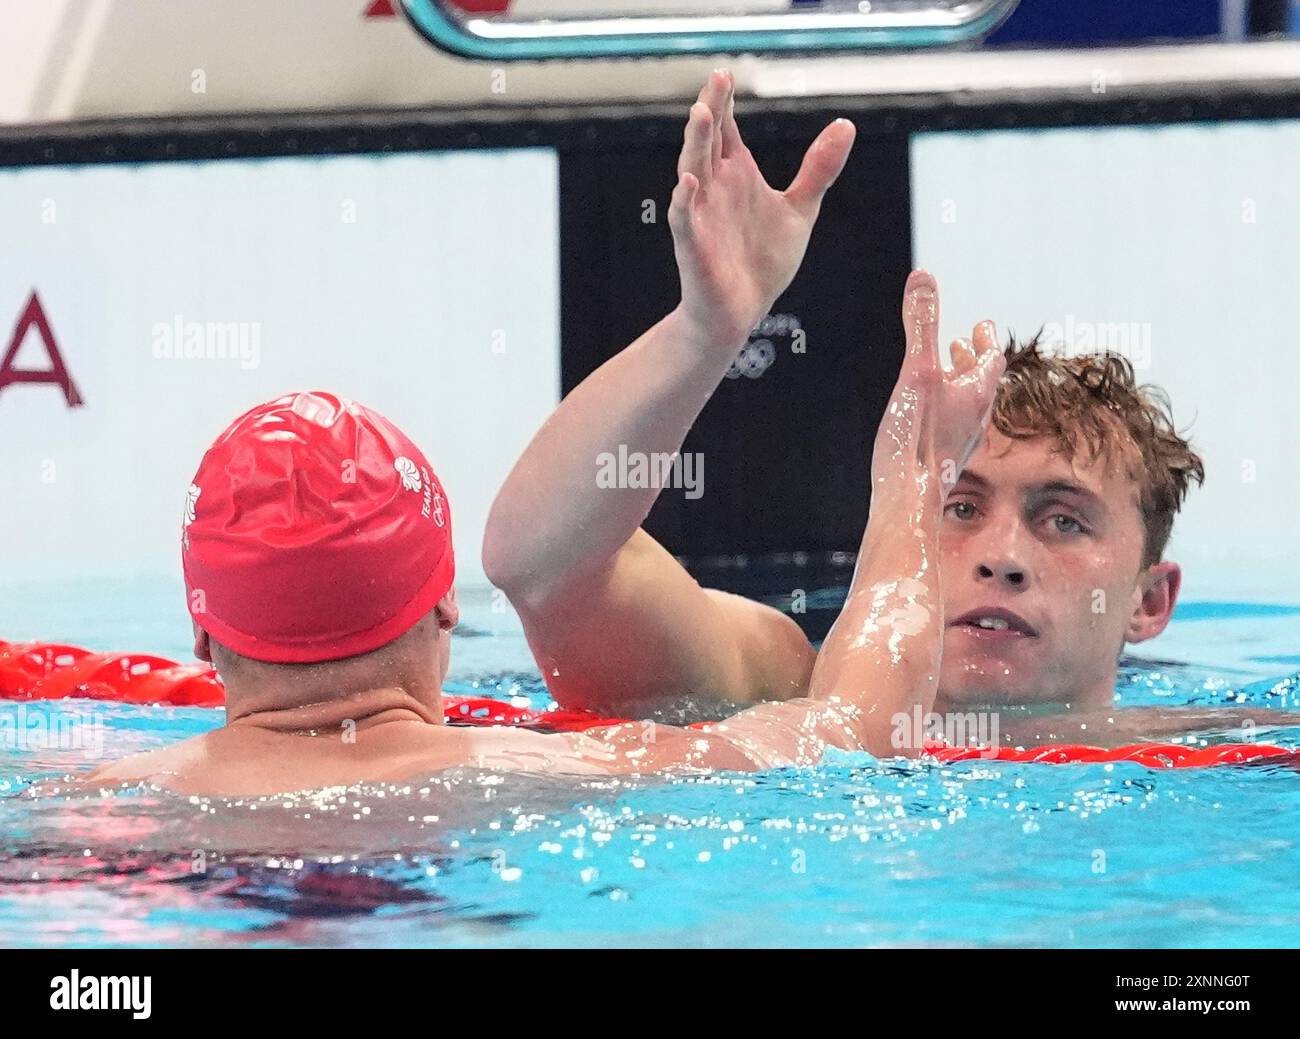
(1082, 402)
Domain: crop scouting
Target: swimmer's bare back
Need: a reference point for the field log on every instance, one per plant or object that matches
(251, 759)
(880, 658)
(248, 759)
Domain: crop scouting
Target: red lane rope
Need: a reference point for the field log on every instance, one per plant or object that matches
(54, 671)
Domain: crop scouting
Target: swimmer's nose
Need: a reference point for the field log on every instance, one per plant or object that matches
(1006, 572)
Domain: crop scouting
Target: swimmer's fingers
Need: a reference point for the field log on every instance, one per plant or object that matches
(731, 140)
(697, 147)
(985, 338)
(979, 349)
(963, 355)
(988, 354)
(702, 148)
(717, 95)
(821, 166)
(681, 209)
(921, 321)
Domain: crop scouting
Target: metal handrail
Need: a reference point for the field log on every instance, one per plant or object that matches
(498, 39)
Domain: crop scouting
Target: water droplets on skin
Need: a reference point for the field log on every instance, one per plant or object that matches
(896, 605)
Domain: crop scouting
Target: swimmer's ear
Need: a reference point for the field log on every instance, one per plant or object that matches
(202, 644)
(447, 611)
(1159, 586)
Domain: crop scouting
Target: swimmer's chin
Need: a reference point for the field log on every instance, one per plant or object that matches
(986, 695)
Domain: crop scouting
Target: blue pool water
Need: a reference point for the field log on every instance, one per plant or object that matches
(854, 852)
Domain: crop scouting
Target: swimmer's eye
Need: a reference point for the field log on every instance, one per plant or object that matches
(968, 505)
(1077, 528)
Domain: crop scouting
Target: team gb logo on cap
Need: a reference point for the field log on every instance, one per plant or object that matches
(191, 499)
(417, 478)
(409, 472)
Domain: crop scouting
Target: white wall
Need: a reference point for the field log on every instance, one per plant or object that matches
(1193, 233)
(84, 59)
(80, 59)
(438, 305)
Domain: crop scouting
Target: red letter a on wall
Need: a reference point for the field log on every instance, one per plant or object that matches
(57, 373)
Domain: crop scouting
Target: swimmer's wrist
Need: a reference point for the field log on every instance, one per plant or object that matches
(704, 337)
(905, 501)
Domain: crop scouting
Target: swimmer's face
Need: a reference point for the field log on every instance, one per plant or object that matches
(1059, 545)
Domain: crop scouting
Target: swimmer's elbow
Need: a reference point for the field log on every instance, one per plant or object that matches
(504, 564)
(498, 567)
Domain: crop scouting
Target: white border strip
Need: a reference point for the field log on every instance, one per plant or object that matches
(992, 71)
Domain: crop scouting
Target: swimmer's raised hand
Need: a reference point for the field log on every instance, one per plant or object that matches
(614, 620)
(935, 418)
(884, 653)
(738, 241)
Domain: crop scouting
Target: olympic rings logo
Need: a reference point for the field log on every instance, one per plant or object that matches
(758, 355)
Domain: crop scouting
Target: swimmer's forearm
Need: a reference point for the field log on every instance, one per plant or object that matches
(557, 515)
(883, 653)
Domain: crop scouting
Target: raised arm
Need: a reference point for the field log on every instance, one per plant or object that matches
(611, 617)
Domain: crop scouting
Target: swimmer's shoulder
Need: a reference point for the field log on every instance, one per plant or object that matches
(508, 748)
(151, 764)
(628, 748)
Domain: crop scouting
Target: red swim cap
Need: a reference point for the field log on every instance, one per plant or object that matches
(313, 530)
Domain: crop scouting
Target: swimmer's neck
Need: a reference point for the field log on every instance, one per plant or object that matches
(264, 709)
(1096, 697)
